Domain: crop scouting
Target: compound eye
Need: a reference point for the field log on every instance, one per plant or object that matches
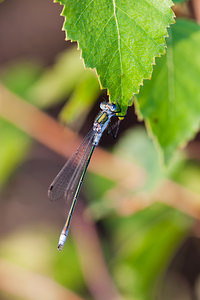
(103, 105)
(113, 107)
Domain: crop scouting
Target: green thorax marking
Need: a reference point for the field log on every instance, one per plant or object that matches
(102, 118)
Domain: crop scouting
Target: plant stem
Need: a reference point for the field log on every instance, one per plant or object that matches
(168, 192)
(93, 264)
(196, 5)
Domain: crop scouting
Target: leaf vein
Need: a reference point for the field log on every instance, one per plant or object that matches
(110, 63)
(102, 30)
(83, 12)
(145, 32)
(136, 60)
(120, 58)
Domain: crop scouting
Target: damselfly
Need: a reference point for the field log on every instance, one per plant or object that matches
(68, 182)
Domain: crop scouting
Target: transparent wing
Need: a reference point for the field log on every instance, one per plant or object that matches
(75, 183)
(61, 184)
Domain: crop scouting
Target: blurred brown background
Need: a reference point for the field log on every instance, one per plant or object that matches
(30, 224)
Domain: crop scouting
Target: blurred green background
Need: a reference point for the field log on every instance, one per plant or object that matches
(125, 243)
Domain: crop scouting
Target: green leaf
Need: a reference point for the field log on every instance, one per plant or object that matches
(120, 39)
(170, 102)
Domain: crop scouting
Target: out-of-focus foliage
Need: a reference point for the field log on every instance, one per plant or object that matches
(29, 249)
(59, 80)
(83, 97)
(14, 143)
(170, 102)
(134, 146)
(188, 175)
(19, 76)
(145, 244)
(67, 78)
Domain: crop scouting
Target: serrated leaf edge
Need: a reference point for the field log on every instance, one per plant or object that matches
(99, 76)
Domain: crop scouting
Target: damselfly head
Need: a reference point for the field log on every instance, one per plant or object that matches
(106, 106)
